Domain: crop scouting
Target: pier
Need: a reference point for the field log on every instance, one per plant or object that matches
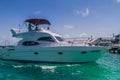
(112, 43)
(115, 48)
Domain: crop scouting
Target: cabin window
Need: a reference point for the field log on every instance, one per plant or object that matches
(30, 43)
(59, 38)
(49, 39)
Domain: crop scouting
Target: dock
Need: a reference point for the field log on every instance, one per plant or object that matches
(115, 48)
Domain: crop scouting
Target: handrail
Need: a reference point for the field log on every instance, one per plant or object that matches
(6, 41)
(84, 41)
(77, 41)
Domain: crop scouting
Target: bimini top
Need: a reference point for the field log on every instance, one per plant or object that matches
(37, 21)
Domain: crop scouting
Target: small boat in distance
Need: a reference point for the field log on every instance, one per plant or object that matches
(43, 45)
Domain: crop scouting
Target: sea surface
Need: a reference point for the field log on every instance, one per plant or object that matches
(106, 68)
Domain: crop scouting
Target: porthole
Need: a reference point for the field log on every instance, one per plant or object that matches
(60, 53)
(84, 52)
(36, 53)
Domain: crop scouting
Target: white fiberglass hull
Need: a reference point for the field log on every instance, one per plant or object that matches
(60, 54)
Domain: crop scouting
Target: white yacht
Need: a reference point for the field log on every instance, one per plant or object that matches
(43, 45)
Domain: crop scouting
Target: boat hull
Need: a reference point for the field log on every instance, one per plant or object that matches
(60, 54)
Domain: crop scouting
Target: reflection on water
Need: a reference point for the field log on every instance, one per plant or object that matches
(106, 68)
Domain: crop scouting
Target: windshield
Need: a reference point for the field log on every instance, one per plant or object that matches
(46, 39)
(59, 38)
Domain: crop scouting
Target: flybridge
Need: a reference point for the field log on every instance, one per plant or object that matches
(35, 22)
(33, 27)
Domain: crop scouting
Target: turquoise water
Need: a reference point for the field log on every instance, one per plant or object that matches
(106, 68)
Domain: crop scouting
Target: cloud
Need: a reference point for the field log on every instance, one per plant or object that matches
(68, 26)
(76, 12)
(66, 36)
(83, 34)
(86, 12)
(83, 13)
(37, 12)
(118, 1)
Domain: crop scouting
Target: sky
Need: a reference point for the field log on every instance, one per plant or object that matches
(69, 18)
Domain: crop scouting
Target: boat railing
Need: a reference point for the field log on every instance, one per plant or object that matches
(6, 42)
(85, 41)
(7, 45)
(79, 41)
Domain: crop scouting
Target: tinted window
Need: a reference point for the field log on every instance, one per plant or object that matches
(30, 43)
(59, 38)
(46, 39)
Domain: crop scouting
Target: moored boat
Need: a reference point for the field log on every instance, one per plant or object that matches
(43, 45)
